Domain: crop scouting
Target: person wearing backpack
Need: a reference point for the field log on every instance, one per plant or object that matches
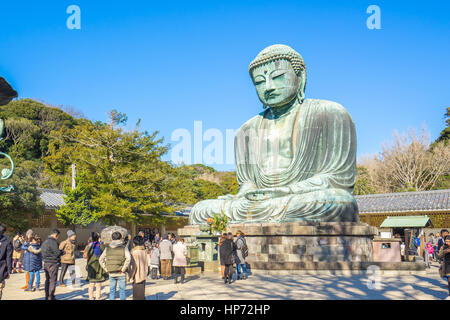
(241, 254)
(95, 273)
(17, 253)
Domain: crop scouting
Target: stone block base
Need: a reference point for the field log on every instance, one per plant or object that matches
(303, 246)
(342, 266)
(193, 271)
(211, 266)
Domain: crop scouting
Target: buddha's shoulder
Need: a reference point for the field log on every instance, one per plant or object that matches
(253, 122)
(327, 106)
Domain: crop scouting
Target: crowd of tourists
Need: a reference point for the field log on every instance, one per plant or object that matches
(122, 260)
(233, 252)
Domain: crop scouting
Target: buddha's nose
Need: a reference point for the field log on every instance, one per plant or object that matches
(269, 87)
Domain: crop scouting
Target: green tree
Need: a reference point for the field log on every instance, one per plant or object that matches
(76, 208)
(18, 207)
(122, 169)
(364, 183)
(229, 182)
(28, 124)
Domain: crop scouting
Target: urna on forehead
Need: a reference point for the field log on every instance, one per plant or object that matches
(279, 52)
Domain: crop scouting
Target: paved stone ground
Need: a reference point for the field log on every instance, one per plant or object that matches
(261, 286)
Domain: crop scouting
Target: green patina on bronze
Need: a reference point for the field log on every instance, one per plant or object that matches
(295, 161)
(7, 93)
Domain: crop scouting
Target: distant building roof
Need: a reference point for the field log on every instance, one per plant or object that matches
(407, 221)
(434, 200)
(52, 198)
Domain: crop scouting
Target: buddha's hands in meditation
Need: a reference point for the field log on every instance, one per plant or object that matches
(267, 193)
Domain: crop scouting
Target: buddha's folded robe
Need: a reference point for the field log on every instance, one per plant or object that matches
(319, 179)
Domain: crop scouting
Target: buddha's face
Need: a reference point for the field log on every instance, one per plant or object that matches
(276, 83)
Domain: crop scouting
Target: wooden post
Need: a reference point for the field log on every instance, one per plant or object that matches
(74, 184)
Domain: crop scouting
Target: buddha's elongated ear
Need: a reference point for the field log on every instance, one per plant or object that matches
(301, 87)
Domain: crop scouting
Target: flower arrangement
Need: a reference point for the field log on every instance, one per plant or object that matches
(210, 221)
(219, 222)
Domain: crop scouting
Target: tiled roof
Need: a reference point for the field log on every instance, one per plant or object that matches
(404, 201)
(371, 203)
(407, 221)
(52, 199)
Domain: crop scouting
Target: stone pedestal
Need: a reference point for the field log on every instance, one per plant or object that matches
(211, 266)
(193, 271)
(387, 250)
(202, 248)
(303, 246)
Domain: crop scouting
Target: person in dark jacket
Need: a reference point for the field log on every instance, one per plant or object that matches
(96, 274)
(6, 260)
(227, 252)
(173, 238)
(444, 255)
(441, 240)
(51, 256)
(222, 264)
(33, 262)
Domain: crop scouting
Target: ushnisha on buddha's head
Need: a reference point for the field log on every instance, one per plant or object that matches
(279, 75)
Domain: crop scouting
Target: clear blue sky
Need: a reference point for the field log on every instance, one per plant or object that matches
(174, 62)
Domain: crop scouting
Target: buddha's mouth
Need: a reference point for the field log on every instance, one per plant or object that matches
(271, 96)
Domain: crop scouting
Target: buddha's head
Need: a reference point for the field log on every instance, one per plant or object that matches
(279, 75)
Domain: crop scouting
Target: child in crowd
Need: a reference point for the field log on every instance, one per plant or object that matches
(430, 250)
(154, 261)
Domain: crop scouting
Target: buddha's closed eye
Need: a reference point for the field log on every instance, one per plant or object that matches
(278, 74)
(259, 80)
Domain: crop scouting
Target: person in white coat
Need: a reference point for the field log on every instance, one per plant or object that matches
(179, 259)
